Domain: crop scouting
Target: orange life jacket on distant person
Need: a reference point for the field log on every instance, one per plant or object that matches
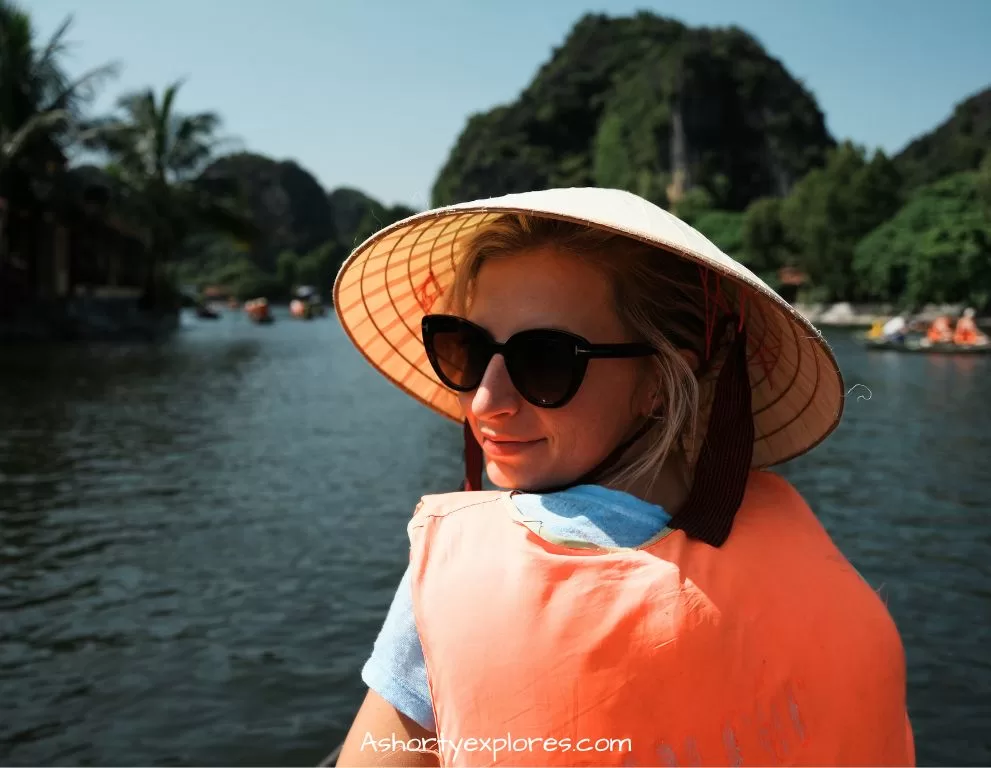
(940, 331)
(967, 332)
(770, 650)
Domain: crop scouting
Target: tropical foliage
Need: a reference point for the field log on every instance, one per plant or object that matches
(637, 103)
(936, 248)
(155, 155)
(702, 121)
(40, 104)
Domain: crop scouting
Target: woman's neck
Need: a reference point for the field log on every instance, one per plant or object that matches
(667, 488)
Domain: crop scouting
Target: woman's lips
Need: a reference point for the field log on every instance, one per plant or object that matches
(505, 449)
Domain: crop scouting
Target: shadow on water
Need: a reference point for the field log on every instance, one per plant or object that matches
(199, 539)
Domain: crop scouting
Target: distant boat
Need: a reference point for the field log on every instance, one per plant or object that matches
(307, 304)
(300, 309)
(924, 347)
(206, 313)
(259, 311)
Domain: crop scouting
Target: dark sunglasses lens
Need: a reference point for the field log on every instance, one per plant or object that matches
(543, 367)
(462, 355)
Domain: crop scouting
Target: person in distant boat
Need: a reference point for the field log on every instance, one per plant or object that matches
(896, 328)
(966, 332)
(940, 331)
(638, 590)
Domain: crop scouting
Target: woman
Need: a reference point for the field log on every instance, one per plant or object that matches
(639, 594)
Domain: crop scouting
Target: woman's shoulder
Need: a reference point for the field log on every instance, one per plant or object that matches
(773, 506)
(445, 503)
(766, 486)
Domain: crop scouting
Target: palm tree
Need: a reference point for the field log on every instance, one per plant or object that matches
(156, 154)
(39, 103)
(40, 109)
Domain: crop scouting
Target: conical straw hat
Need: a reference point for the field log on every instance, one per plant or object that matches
(396, 276)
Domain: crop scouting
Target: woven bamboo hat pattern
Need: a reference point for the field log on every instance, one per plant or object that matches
(398, 275)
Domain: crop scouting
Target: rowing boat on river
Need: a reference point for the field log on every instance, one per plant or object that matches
(923, 346)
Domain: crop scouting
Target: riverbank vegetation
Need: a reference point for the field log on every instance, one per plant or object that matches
(701, 121)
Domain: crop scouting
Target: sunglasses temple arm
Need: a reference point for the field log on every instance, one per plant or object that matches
(473, 460)
(617, 352)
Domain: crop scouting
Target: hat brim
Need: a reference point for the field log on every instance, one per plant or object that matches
(399, 274)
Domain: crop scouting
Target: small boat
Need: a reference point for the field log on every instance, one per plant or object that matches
(307, 304)
(923, 346)
(300, 310)
(258, 311)
(203, 312)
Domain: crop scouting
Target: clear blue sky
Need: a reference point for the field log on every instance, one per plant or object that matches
(373, 93)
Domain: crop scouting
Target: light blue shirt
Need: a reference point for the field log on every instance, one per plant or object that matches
(590, 513)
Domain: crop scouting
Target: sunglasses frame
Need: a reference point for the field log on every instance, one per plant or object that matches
(584, 350)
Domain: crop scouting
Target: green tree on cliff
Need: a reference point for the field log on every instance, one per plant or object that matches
(831, 209)
(634, 102)
(984, 184)
(766, 247)
(936, 249)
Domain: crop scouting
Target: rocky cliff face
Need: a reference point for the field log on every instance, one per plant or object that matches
(286, 203)
(959, 144)
(650, 105)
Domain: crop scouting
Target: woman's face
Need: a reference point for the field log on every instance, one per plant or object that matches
(530, 447)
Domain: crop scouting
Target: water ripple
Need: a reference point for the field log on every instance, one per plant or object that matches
(199, 539)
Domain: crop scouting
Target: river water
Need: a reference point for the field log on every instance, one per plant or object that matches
(199, 538)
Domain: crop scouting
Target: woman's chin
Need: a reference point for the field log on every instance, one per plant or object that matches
(514, 477)
(501, 476)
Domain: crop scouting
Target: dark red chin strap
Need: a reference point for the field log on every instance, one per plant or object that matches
(724, 460)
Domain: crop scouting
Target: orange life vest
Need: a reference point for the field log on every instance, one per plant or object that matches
(966, 332)
(770, 650)
(940, 330)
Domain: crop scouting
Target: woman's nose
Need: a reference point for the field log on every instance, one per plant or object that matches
(496, 394)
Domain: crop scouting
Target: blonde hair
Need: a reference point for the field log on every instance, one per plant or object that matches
(659, 297)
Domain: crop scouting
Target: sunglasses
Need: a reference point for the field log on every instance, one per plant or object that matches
(546, 366)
